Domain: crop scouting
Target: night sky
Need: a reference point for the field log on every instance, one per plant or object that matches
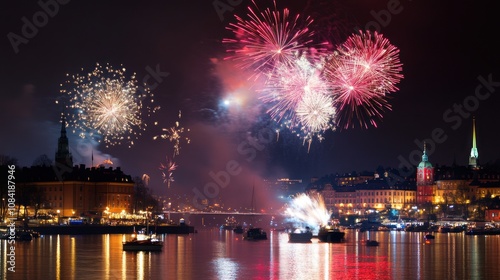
(444, 48)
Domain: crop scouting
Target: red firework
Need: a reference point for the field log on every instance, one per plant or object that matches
(267, 38)
(362, 72)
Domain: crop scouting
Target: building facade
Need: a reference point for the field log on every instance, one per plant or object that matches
(68, 190)
(425, 180)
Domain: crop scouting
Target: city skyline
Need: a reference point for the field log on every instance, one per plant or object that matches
(449, 66)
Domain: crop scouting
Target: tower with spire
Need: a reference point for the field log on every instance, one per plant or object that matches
(473, 152)
(63, 156)
(425, 179)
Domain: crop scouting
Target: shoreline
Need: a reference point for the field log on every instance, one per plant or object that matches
(108, 229)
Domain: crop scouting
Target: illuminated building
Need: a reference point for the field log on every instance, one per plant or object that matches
(79, 192)
(373, 194)
(74, 190)
(425, 180)
(284, 187)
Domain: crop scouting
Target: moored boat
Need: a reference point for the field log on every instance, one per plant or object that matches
(255, 234)
(371, 243)
(483, 231)
(238, 229)
(150, 243)
(330, 234)
(300, 236)
(429, 236)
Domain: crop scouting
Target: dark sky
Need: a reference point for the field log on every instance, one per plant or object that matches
(445, 46)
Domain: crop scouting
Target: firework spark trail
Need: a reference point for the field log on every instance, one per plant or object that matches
(167, 170)
(308, 210)
(174, 135)
(362, 72)
(267, 39)
(103, 103)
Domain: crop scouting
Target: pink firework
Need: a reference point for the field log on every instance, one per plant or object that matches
(287, 87)
(167, 171)
(267, 38)
(362, 72)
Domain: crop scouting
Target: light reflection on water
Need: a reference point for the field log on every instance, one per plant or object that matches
(215, 254)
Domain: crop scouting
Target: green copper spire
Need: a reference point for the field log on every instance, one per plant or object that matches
(424, 156)
(425, 160)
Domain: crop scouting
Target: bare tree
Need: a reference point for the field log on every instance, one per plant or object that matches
(42, 160)
(7, 160)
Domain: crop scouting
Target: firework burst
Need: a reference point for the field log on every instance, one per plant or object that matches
(104, 104)
(175, 135)
(362, 72)
(167, 171)
(308, 210)
(299, 98)
(315, 112)
(267, 38)
(288, 85)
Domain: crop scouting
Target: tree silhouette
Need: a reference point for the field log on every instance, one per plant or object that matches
(42, 160)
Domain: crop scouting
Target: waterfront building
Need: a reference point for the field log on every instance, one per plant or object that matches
(284, 187)
(328, 194)
(352, 179)
(425, 180)
(81, 191)
(492, 215)
(68, 190)
(377, 194)
(489, 189)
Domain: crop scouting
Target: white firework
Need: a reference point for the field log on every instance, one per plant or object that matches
(315, 112)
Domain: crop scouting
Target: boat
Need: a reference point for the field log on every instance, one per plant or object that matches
(255, 234)
(23, 235)
(151, 243)
(371, 243)
(300, 236)
(238, 229)
(230, 224)
(226, 227)
(330, 234)
(144, 241)
(444, 229)
(483, 231)
(35, 234)
(429, 236)
(20, 235)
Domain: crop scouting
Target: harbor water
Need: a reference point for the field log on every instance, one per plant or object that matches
(222, 254)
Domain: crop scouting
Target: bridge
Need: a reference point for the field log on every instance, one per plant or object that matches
(222, 213)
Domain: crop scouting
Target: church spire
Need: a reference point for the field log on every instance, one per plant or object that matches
(473, 152)
(424, 155)
(63, 156)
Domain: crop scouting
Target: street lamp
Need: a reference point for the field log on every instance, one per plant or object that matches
(58, 216)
